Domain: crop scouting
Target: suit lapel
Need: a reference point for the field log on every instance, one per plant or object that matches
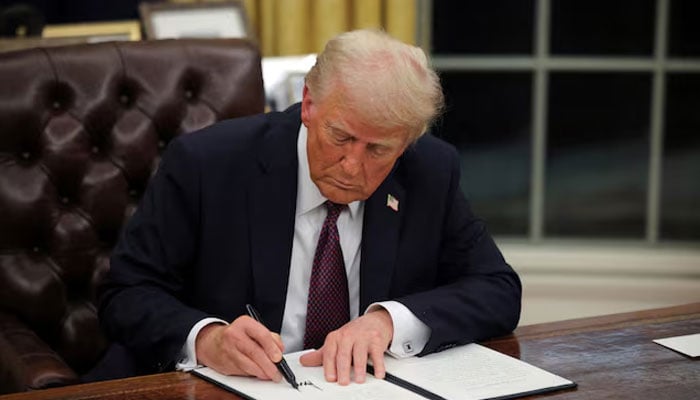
(273, 203)
(380, 238)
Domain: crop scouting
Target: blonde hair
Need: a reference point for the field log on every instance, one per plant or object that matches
(385, 81)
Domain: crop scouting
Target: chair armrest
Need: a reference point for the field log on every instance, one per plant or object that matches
(27, 362)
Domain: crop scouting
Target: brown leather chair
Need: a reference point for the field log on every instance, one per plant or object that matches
(81, 131)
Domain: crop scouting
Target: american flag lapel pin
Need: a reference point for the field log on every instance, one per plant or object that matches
(392, 202)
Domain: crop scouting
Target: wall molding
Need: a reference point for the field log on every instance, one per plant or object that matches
(603, 259)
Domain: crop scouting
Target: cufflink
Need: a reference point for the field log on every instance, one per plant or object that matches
(408, 347)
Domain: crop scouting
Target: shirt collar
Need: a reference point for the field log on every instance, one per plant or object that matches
(308, 195)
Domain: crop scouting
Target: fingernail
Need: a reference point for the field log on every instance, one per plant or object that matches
(277, 357)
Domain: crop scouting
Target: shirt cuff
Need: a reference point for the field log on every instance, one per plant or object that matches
(188, 361)
(410, 333)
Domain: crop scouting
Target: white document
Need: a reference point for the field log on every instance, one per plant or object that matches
(687, 344)
(470, 372)
(475, 372)
(253, 388)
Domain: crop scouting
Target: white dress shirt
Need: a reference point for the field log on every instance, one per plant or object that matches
(410, 333)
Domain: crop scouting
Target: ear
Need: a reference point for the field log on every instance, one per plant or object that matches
(306, 105)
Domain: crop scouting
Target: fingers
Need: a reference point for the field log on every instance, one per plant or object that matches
(330, 347)
(251, 358)
(312, 359)
(344, 346)
(346, 351)
(265, 339)
(359, 355)
(245, 347)
(249, 367)
(377, 356)
(351, 357)
(278, 341)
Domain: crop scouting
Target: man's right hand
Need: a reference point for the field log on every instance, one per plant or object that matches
(245, 347)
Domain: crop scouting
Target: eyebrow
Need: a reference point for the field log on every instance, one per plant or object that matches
(388, 143)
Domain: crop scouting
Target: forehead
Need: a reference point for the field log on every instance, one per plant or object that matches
(340, 119)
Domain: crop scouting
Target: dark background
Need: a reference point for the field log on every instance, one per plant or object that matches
(598, 122)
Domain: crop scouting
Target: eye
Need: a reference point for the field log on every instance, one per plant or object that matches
(342, 138)
(338, 136)
(378, 150)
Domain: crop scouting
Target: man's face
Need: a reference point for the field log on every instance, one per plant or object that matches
(348, 158)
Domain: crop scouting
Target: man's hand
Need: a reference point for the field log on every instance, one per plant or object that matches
(245, 347)
(350, 346)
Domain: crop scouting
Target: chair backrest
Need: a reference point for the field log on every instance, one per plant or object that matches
(81, 131)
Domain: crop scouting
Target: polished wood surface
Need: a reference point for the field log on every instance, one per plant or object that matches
(614, 356)
(610, 357)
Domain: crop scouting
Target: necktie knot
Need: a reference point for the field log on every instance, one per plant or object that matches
(334, 210)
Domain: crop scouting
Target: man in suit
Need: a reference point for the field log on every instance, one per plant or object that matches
(234, 214)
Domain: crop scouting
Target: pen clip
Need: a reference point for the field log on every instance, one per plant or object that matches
(253, 313)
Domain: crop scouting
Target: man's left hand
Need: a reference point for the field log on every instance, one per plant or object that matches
(363, 338)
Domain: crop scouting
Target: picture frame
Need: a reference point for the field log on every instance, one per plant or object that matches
(93, 32)
(13, 44)
(222, 19)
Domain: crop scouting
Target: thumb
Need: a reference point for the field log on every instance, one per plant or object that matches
(312, 359)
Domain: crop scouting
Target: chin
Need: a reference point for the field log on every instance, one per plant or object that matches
(340, 196)
(340, 199)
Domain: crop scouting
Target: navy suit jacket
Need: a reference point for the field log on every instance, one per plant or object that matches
(214, 231)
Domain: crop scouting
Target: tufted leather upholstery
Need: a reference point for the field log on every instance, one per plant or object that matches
(81, 130)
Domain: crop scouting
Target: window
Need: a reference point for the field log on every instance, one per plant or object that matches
(495, 150)
(680, 185)
(575, 119)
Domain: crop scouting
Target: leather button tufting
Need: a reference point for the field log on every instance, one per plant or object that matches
(81, 129)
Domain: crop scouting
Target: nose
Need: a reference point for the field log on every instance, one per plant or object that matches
(352, 159)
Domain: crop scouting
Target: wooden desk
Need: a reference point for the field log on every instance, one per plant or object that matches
(609, 357)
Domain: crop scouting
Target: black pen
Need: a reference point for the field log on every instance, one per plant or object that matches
(282, 365)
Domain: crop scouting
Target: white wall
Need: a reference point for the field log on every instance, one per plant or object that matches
(565, 281)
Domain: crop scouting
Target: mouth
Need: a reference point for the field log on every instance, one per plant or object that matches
(342, 185)
(339, 184)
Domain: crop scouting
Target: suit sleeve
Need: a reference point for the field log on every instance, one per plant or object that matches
(140, 298)
(477, 294)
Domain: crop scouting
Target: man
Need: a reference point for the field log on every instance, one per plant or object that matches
(235, 212)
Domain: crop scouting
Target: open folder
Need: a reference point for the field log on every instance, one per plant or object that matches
(467, 372)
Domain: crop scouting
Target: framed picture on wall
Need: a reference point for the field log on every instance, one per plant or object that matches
(92, 32)
(223, 19)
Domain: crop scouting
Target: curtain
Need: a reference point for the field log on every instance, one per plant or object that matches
(292, 27)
